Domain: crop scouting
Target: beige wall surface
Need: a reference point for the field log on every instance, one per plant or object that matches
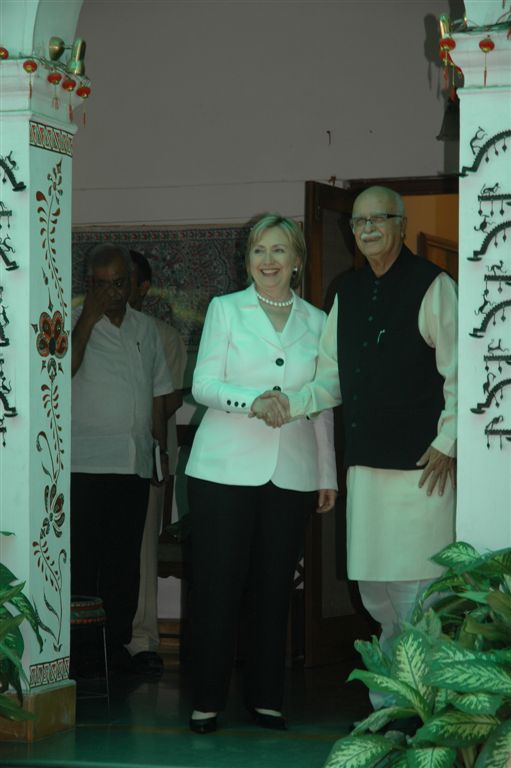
(212, 111)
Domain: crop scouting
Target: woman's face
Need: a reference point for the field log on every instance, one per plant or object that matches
(271, 263)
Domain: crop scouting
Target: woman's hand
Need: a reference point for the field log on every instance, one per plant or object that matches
(272, 407)
(326, 500)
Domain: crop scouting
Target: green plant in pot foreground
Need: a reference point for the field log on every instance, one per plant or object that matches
(450, 669)
(15, 608)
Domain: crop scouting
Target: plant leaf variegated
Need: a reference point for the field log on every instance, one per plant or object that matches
(457, 729)
(354, 752)
(496, 753)
(430, 757)
(409, 664)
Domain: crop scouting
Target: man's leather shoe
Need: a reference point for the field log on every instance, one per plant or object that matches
(204, 725)
(274, 722)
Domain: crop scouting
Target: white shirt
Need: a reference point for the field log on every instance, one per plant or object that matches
(175, 355)
(393, 527)
(122, 370)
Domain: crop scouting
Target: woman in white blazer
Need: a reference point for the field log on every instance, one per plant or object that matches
(252, 488)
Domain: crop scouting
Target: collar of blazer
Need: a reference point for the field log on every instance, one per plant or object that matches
(254, 316)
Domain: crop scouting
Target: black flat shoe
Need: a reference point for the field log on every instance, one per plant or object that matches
(274, 722)
(204, 725)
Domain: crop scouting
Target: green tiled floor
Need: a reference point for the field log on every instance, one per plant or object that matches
(146, 725)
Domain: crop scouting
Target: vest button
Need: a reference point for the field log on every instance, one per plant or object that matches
(353, 424)
(228, 402)
(364, 343)
(279, 361)
(375, 298)
(236, 403)
(277, 389)
(243, 405)
(370, 318)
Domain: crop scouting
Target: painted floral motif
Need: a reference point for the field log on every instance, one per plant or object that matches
(52, 338)
(54, 510)
(52, 345)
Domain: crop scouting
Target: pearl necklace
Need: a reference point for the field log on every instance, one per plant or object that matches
(286, 303)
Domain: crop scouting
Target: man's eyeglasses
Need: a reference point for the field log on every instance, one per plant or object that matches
(377, 219)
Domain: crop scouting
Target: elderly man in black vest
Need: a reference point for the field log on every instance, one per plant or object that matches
(390, 347)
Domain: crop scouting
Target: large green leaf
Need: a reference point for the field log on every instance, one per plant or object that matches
(456, 729)
(6, 576)
(494, 631)
(381, 717)
(482, 703)
(10, 709)
(372, 655)
(501, 604)
(496, 563)
(496, 752)
(447, 583)
(457, 556)
(470, 677)
(358, 752)
(409, 664)
(9, 592)
(26, 609)
(447, 652)
(430, 757)
(403, 692)
(8, 625)
(429, 623)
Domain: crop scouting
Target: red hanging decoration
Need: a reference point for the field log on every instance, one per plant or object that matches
(30, 67)
(68, 84)
(54, 79)
(486, 45)
(447, 44)
(4, 53)
(84, 92)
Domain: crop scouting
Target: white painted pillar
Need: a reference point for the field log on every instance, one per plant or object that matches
(36, 141)
(484, 448)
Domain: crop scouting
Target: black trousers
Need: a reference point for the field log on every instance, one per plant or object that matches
(107, 522)
(245, 544)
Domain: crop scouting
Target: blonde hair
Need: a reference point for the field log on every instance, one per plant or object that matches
(294, 234)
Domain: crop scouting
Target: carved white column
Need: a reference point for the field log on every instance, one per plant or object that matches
(36, 143)
(484, 449)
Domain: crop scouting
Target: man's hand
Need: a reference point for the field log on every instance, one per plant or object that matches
(438, 467)
(164, 470)
(272, 407)
(326, 500)
(96, 303)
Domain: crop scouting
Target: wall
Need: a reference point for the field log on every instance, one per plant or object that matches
(213, 111)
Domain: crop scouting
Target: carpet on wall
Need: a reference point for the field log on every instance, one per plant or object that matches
(190, 265)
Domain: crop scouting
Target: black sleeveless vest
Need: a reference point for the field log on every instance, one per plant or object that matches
(391, 390)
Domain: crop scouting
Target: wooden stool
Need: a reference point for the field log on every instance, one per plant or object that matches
(88, 612)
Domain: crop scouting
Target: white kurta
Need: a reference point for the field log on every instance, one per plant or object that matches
(393, 527)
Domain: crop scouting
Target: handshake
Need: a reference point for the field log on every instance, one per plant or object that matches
(272, 407)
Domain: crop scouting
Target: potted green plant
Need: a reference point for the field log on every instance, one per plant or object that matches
(450, 669)
(15, 608)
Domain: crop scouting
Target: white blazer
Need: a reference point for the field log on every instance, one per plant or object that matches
(240, 356)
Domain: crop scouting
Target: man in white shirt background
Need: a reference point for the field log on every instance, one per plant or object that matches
(390, 348)
(120, 380)
(145, 635)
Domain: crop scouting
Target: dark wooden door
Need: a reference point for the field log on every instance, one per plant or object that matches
(334, 617)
